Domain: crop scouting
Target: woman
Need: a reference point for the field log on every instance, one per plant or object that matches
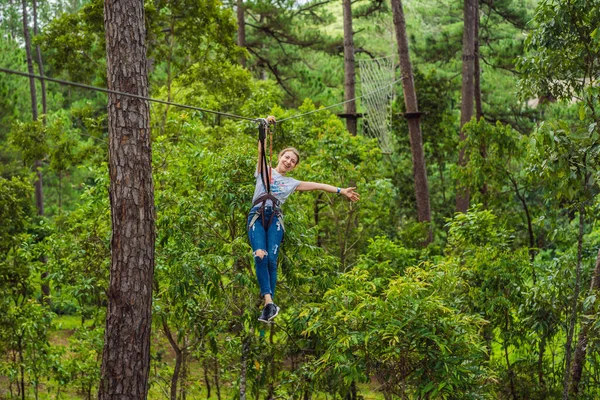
(265, 221)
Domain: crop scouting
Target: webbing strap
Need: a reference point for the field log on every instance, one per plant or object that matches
(265, 171)
(262, 200)
(265, 176)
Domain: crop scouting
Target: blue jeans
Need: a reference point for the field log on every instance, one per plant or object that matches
(268, 241)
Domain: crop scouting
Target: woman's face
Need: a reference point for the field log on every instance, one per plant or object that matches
(287, 162)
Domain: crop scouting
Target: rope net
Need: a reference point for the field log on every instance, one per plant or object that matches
(378, 73)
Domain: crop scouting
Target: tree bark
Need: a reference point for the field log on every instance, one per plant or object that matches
(244, 366)
(271, 365)
(477, 92)
(21, 368)
(349, 67)
(575, 300)
(511, 373)
(126, 354)
(468, 93)
(413, 117)
(178, 358)
(241, 29)
(37, 165)
(40, 62)
(169, 75)
(317, 209)
(582, 340)
(32, 90)
(540, 363)
(206, 379)
(184, 373)
(477, 66)
(216, 377)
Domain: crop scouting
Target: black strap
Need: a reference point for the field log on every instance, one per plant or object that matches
(265, 175)
(264, 163)
(262, 200)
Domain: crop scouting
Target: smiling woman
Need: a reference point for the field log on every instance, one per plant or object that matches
(265, 220)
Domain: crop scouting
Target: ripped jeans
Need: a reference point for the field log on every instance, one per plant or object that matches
(269, 241)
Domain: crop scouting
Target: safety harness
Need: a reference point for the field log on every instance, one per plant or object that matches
(264, 168)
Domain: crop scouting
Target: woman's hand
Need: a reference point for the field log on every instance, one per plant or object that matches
(350, 194)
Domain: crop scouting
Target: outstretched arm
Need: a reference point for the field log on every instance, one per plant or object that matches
(348, 192)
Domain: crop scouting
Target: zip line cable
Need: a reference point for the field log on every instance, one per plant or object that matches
(135, 96)
(99, 89)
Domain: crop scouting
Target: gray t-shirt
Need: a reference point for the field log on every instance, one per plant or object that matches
(281, 187)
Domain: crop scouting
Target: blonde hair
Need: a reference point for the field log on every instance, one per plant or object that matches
(293, 150)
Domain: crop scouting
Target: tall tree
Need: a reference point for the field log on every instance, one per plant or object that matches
(468, 91)
(241, 31)
(562, 61)
(40, 63)
(477, 92)
(583, 338)
(37, 165)
(126, 354)
(412, 116)
(349, 69)
(34, 108)
(477, 66)
(39, 60)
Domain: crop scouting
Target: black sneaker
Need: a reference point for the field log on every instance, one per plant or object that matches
(269, 312)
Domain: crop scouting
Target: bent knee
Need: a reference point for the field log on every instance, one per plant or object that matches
(260, 253)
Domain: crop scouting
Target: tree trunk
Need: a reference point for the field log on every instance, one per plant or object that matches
(529, 225)
(126, 354)
(59, 192)
(271, 365)
(21, 369)
(183, 376)
(317, 209)
(349, 75)
(582, 340)
(511, 373)
(40, 62)
(352, 393)
(241, 31)
(169, 75)
(206, 379)
(571, 327)
(477, 66)
(540, 363)
(468, 92)
(178, 358)
(477, 92)
(32, 91)
(244, 366)
(37, 165)
(413, 117)
(216, 378)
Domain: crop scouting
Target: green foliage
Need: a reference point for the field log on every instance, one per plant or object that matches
(377, 321)
(495, 156)
(13, 94)
(480, 313)
(561, 50)
(23, 320)
(568, 156)
(79, 255)
(74, 43)
(30, 140)
(15, 210)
